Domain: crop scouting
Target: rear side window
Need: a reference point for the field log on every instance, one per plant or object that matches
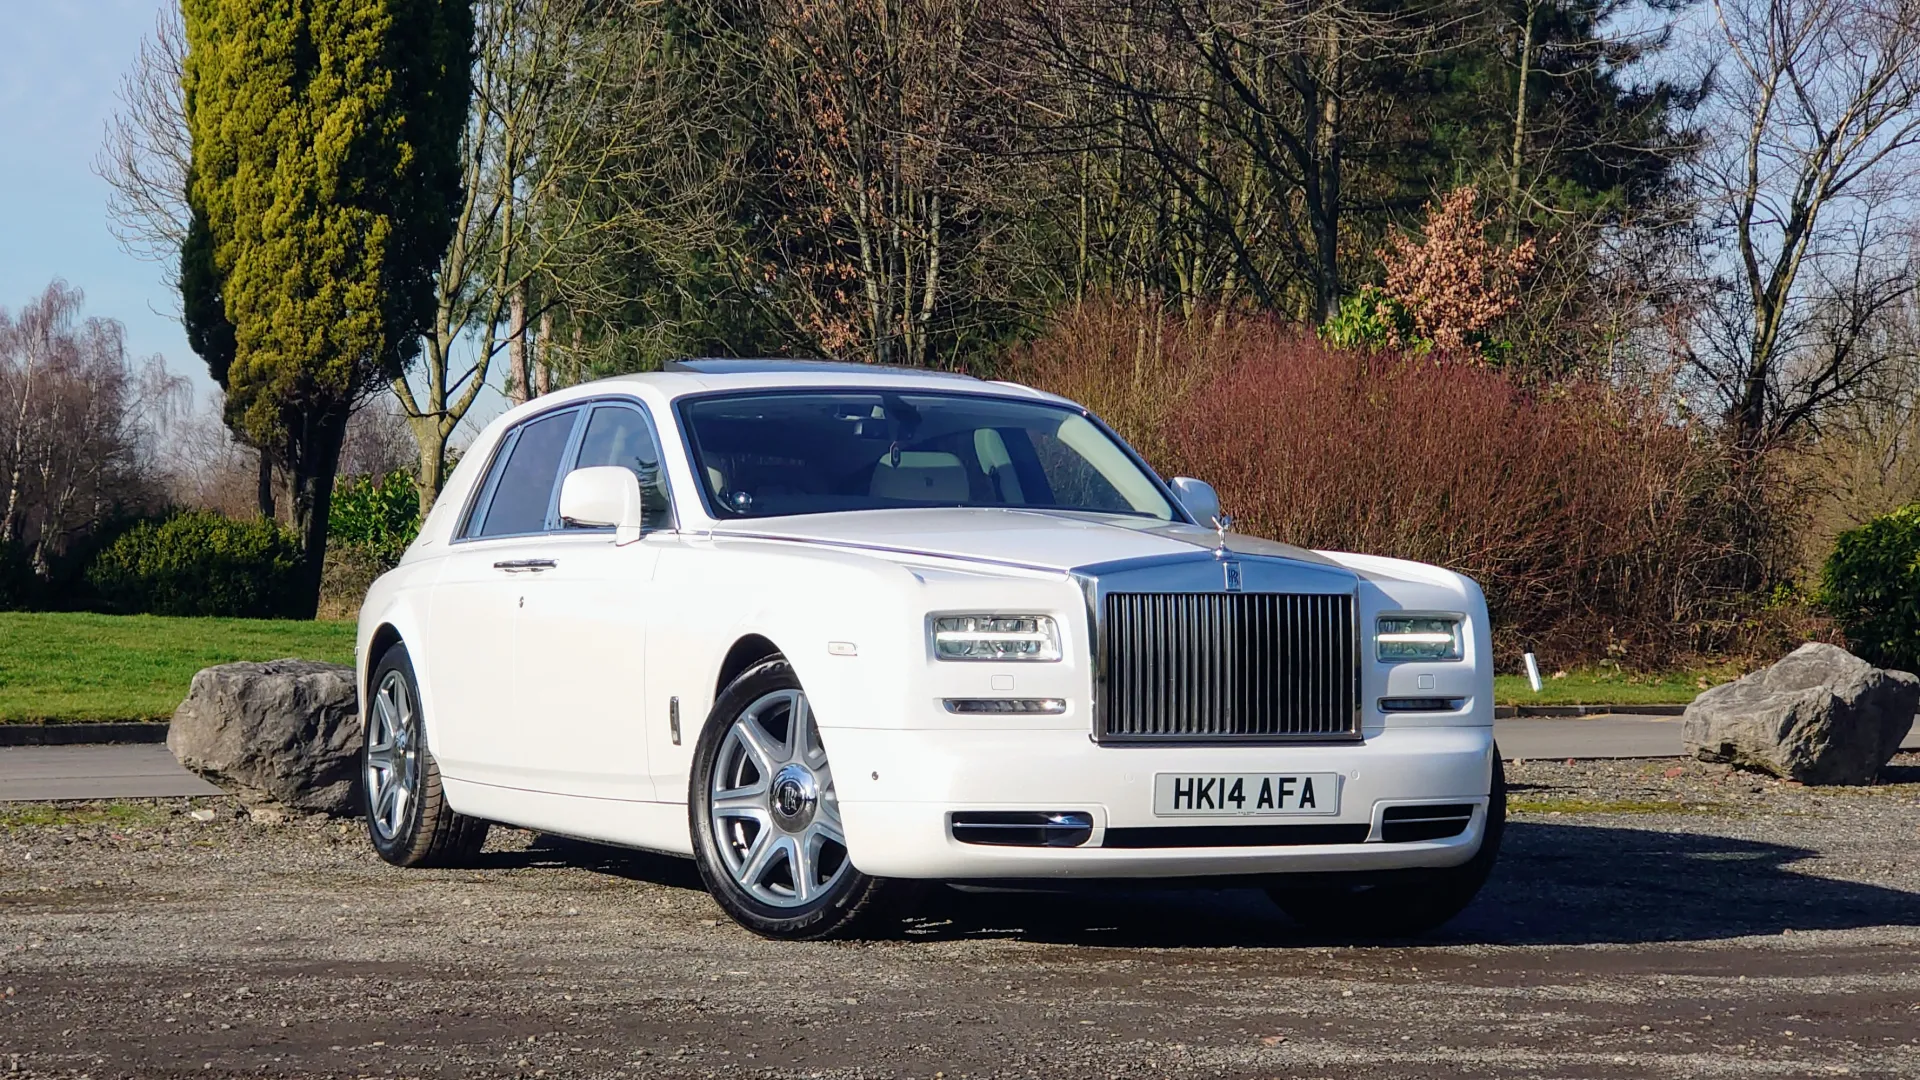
(520, 490)
(617, 435)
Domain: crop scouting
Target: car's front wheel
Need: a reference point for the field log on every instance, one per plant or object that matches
(408, 818)
(1416, 903)
(766, 818)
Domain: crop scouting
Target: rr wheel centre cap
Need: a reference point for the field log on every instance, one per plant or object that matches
(793, 796)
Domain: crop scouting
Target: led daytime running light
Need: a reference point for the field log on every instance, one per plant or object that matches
(995, 637)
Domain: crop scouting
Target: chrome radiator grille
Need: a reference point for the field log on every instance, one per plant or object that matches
(1229, 667)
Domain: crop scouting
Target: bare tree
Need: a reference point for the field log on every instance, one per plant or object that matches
(519, 51)
(144, 159)
(1254, 113)
(378, 441)
(1812, 185)
(73, 416)
(146, 151)
(883, 111)
(202, 465)
(1866, 455)
(579, 147)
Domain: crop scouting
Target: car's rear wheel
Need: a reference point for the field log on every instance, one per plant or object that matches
(766, 818)
(408, 818)
(1416, 903)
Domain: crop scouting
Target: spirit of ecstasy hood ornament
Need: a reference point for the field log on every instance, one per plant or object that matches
(1230, 565)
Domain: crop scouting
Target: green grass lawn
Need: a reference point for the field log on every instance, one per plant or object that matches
(59, 667)
(65, 667)
(1603, 687)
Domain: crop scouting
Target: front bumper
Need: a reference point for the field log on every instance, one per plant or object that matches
(898, 791)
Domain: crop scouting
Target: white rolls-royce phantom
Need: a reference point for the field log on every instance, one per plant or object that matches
(835, 630)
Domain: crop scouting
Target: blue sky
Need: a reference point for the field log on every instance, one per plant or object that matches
(63, 67)
(64, 62)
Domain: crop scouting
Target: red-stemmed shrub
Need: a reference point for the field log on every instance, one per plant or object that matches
(1599, 524)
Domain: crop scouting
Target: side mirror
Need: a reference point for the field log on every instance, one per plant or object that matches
(1199, 498)
(603, 495)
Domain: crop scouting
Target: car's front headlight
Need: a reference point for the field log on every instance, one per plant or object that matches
(995, 637)
(1417, 637)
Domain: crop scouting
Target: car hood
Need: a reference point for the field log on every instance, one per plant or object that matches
(1032, 539)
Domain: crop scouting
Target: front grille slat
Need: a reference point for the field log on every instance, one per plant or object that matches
(1228, 667)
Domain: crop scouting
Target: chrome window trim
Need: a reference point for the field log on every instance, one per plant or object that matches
(482, 493)
(572, 461)
(582, 408)
(502, 451)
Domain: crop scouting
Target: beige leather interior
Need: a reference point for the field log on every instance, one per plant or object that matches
(921, 476)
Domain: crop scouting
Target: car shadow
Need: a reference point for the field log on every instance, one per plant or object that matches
(1583, 884)
(1555, 884)
(1899, 774)
(552, 851)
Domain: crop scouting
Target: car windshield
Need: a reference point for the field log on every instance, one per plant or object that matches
(813, 452)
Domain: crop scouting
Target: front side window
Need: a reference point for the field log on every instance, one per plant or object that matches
(809, 452)
(618, 435)
(521, 489)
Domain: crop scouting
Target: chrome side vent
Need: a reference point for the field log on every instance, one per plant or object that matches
(1409, 824)
(1421, 704)
(1229, 667)
(1023, 828)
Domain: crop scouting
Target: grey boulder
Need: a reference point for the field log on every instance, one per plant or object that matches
(1821, 716)
(284, 730)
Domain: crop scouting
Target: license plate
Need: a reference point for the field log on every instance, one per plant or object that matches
(1245, 794)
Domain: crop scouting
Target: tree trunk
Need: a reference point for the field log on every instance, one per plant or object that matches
(313, 463)
(543, 359)
(1516, 155)
(518, 380)
(263, 486)
(1327, 220)
(430, 437)
(10, 514)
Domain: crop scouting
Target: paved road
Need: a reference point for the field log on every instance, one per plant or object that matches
(1590, 737)
(1600, 737)
(94, 772)
(129, 772)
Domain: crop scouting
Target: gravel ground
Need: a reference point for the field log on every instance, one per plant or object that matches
(1647, 920)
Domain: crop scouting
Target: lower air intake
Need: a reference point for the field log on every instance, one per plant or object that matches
(1194, 836)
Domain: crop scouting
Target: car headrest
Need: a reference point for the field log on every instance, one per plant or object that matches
(921, 476)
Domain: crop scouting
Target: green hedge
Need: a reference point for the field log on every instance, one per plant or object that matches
(19, 588)
(380, 516)
(1871, 586)
(200, 563)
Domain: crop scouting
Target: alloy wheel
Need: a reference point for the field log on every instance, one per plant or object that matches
(773, 813)
(393, 755)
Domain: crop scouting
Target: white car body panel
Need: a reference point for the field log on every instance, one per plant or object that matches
(548, 697)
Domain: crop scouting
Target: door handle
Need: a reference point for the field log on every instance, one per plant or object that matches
(515, 566)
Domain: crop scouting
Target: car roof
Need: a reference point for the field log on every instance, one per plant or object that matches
(678, 378)
(722, 365)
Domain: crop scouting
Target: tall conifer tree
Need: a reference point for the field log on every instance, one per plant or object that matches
(323, 186)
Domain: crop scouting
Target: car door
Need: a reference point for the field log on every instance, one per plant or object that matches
(580, 665)
(497, 552)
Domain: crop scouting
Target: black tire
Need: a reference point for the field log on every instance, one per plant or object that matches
(1401, 906)
(851, 904)
(425, 831)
